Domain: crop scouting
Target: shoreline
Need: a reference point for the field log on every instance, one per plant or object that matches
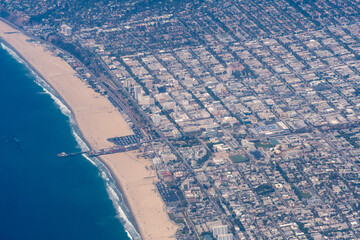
(123, 195)
(109, 162)
(51, 90)
(77, 131)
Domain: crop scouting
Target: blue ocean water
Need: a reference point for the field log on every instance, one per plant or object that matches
(42, 196)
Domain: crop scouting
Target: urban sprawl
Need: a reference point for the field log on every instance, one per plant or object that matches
(248, 109)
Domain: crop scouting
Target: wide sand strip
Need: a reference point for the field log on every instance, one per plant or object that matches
(98, 120)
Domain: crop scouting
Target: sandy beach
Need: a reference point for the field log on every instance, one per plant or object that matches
(98, 120)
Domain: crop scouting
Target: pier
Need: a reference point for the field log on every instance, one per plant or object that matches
(99, 152)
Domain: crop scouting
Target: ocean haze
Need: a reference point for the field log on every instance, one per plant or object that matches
(42, 196)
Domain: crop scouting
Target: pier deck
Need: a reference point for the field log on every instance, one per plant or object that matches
(100, 152)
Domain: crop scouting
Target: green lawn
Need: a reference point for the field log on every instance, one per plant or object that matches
(266, 144)
(238, 159)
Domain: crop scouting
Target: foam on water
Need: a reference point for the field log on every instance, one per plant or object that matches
(12, 53)
(113, 192)
(116, 198)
